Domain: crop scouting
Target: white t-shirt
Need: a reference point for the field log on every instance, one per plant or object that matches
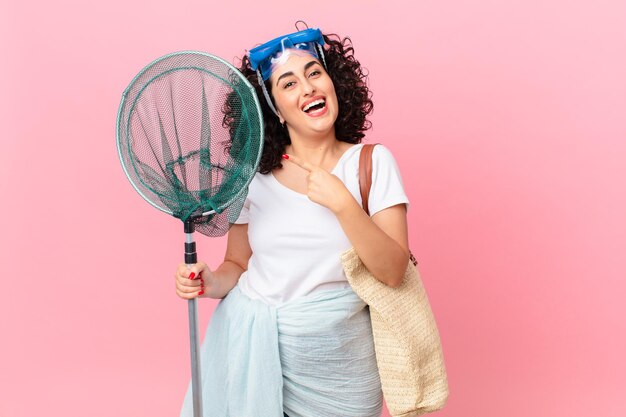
(296, 243)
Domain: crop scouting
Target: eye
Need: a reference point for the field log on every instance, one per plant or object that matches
(315, 73)
(289, 84)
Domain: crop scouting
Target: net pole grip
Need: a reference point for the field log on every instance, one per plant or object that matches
(191, 258)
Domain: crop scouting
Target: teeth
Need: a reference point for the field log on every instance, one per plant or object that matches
(313, 103)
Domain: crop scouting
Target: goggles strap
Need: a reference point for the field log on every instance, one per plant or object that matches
(265, 93)
(320, 52)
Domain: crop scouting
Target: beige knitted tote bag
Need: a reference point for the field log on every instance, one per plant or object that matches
(408, 348)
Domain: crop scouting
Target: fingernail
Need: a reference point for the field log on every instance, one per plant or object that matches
(192, 275)
(285, 156)
(201, 292)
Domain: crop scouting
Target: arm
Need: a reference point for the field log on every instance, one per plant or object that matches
(218, 283)
(380, 241)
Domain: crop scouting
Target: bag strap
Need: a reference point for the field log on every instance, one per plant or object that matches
(365, 174)
(365, 181)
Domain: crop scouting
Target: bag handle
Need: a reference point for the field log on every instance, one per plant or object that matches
(365, 174)
(365, 181)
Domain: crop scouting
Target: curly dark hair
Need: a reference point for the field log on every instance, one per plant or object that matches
(353, 97)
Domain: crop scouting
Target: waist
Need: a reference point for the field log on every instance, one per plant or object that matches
(277, 292)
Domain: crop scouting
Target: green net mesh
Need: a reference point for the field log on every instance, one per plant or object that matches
(189, 136)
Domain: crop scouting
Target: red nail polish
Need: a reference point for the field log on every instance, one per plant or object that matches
(285, 156)
(192, 275)
(201, 292)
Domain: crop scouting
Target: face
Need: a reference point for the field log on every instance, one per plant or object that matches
(304, 96)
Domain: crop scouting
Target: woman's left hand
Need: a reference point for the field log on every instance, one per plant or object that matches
(324, 188)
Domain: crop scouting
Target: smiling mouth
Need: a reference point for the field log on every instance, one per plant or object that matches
(314, 106)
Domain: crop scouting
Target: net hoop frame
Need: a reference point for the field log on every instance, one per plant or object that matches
(123, 101)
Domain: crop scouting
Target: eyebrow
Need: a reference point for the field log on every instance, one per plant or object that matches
(288, 73)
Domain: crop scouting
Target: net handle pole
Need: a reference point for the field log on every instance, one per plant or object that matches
(191, 258)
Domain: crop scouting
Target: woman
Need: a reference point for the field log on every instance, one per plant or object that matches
(290, 335)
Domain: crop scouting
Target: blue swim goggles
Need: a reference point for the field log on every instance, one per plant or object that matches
(264, 59)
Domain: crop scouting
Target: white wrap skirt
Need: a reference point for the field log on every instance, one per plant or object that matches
(310, 357)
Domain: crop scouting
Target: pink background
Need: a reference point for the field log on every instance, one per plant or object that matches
(507, 119)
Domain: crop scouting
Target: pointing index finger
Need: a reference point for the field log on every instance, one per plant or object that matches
(302, 164)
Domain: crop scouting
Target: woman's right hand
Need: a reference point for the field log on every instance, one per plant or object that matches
(195, 281)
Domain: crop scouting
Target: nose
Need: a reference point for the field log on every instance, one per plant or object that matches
(307, 87)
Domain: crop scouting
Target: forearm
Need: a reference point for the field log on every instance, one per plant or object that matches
(383, 256)
(236, 259)
(226, 276)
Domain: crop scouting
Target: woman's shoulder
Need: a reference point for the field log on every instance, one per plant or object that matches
(350, 150)
(381, 154)
(259, 181)
(381, 150)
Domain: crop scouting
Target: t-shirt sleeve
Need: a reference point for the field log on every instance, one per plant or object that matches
(245, 213)
(387, 188)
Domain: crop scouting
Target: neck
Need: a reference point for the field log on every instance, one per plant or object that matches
(318, 150)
